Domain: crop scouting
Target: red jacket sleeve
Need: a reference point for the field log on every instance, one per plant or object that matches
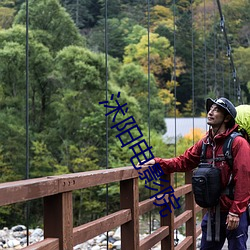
(185, 162)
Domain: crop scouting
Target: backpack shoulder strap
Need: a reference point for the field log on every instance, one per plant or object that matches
(227, 148)
(203, 152)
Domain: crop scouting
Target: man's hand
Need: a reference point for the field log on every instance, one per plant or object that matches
(232, 221)
(148, 163)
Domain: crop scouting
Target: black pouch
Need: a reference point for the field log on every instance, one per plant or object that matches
(206, 183)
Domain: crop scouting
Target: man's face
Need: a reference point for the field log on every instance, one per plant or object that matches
(215, 116)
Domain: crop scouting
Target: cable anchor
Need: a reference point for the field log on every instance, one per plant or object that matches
(222, 24)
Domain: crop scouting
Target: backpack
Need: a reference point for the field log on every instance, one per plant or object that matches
(206, 179)
(243, 120)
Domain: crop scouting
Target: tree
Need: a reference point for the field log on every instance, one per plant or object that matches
(161, 57)
(12, 149)
(80, 72)
(40, 60)
(42, 163)
(161, 16)
(53, 25)
(118, 31)
(84, 13)
(242, 64)
(135, 81)
(6, 17)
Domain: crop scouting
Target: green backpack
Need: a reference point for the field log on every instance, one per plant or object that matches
(243, 120)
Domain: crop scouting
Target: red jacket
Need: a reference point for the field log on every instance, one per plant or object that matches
(241, 167)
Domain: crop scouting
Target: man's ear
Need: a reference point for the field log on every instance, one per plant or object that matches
(228, 118)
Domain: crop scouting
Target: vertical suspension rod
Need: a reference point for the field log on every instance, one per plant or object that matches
(27, 206)
(106, 82)
(229, 52)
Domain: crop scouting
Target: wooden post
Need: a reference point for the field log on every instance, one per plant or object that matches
(168, 242)
(58, 219)
(129, 197)
(190, 205)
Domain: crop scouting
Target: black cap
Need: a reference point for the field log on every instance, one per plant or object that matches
(223, 103)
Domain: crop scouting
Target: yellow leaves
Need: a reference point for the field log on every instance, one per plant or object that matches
(159, 53)
(203, 114)
(161, 16)
(189, 139)
(179, 69)
(6, 17)
(170, 102)
(160, 12)
(171, 85)
(195, 134)
(188, 107)
(166, 96)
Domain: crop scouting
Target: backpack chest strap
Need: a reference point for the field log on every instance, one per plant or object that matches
(217, 159)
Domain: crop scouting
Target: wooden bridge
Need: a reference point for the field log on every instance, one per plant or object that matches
(59, 233)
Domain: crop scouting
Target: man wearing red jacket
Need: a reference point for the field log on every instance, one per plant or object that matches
(221, 115)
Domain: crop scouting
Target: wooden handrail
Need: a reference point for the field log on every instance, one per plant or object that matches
(58, 210)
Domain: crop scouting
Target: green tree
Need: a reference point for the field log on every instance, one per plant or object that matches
(53, 25)
(84, 13)
(80, 74)
(161, 57)
(13, 60)
(161, 16)
(135, 81)
(241, 56)
(117, 31)
(42, 163)
(6, 17)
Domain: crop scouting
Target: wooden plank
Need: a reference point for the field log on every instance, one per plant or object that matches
(168, 242)
(154, 238)
(190, 205)
(185, 189)
(129, 197)
(90, 230)
(94, 178)
(185, 244)
(198, 209)
(58, 219)
(46, 244)
(24, 190)
(198, 231)
(146, 206)
(182, 218)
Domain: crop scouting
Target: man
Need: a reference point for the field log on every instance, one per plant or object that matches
(221, 115)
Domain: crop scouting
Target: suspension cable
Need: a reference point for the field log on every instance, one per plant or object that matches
(174, 80)
(229, 53)
(215, 52)
(148, 27)
(106, 82)
(175, 95)
(27, 207)
(222, 68)
(205, 51)
(192, 77)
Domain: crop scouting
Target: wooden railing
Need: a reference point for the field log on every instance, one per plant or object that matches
(59, 232)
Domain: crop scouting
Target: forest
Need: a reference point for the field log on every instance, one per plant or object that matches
(163, 57)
